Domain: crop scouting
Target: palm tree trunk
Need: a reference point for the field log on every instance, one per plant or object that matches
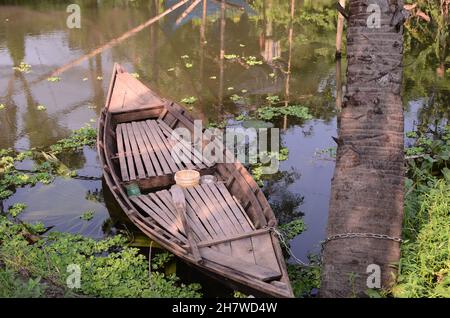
(367, 187)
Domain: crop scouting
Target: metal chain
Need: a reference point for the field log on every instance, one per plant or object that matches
(288, 249)
(362, 235)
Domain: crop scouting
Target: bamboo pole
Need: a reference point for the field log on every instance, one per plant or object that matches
(187, 11)
(222, 53)
(340, 30)
(288, 76)
(118, 40)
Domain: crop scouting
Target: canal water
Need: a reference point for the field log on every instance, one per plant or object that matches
(179, 57)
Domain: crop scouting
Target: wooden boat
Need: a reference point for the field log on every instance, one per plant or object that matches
(224, 228)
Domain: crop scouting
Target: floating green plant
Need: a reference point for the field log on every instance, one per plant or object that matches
(271, 112)
(230, 56)
(54, 79)
(189, 100)
(251, 60)
(236, 98)
(273, 99)
(23, 68)
(87, 215)
(17, 209)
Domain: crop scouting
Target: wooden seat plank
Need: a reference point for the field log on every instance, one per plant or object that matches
(219, 206)
(213, 211)
(122, 160)
(128, 153)
(151, 152)
(198, 159)
(148, 200)
(208, 211)
(186, 157)
(202, 214)
(230, 215)
(238, 212)
(170, 212)
(143, 150)
(265, 256)
(135, 150)
(142, 201)
(156, 147)
(257, 271)
(167, 146)
(161, 146)
(196, 225)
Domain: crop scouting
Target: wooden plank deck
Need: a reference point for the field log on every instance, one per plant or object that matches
(145, 150)
(219, 226)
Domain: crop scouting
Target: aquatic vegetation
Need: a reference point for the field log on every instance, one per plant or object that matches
(85, 136)
(271, 112)
(231, 56)
(53, 79)
(188, 65)
(273, 99)
(222, 124)
(256, 170)
(327, 153)
(23, 68)
(47, 165)
(251, 61)
(241, 117)
(16, 209)
(292, 229)
(189, 100)
(15, 286)
(236, 98)
(87, 215)
(2, 106)
(305, 281)
(41, 107)
(108, 267)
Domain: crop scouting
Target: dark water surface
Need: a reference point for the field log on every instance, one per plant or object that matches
(300, 70)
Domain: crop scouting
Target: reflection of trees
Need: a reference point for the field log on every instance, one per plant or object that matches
(95, 196)
(42, 129)
(427, 53)
(8, 118)
(284, 203)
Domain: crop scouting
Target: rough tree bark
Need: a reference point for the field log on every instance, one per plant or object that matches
(367, 187)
